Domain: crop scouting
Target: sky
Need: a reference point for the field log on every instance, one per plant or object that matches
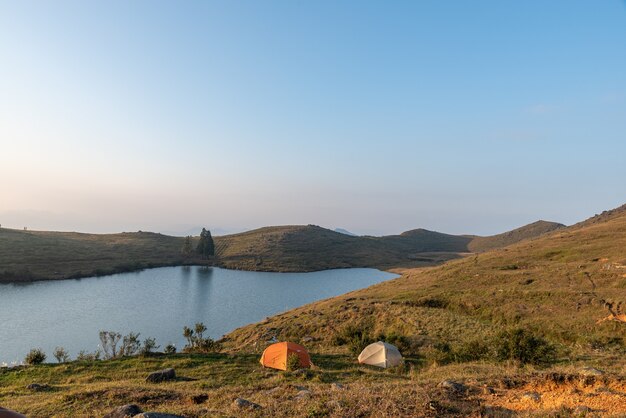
(377, 117)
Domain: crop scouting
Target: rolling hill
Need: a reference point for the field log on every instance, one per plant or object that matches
(557, 284)
(310, 247)
(39, 255)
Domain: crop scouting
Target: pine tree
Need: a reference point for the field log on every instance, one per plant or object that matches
(206, 247)
(187, 248)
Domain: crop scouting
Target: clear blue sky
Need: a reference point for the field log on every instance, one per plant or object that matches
(458, 116)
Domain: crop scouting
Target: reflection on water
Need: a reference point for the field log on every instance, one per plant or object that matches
(157, 303)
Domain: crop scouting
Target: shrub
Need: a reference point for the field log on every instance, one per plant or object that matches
(130, 345)
(108, 342)
(355, 337)
(85, 356)
(35, 356)
(196, 342)
(61, 355)
(293, 362)
(520, 345)
(470, 351)
(170, 349)
(149, 346)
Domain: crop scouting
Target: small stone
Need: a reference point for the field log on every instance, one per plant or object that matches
(161, 376)
(243, 403)
(531, 396)
(157, 415)
(337, 386)
(198, 399)
(488, 390)
(302, 395)
(124, 411)
(298, 388)
(582, 409)
(307, 339)
(334, 404)
(590, 371)
(453, 386)
(37, 387)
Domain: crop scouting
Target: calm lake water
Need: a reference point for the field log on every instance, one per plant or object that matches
(156, 303)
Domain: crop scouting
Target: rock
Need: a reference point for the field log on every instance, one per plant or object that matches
(488, 390)
(243, 403)
(302, 395)
(299, 388)
(157, 415)
(582, 409)
(334, 404)
(37, 387)
(531, 396)
(161, 376)
(124, 411)
(307, 339)
(198, 399)
(453, 386)
(337, 386)
(590, 371)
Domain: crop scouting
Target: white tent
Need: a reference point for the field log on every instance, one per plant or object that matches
(380, 354)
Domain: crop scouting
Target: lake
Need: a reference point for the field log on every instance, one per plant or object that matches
(157, 303)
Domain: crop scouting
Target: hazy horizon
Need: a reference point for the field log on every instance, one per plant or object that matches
(464, 118)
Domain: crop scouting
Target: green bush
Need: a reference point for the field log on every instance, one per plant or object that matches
(520, 345)
(61, 355)
(35, 356)
(293, 362)
(170, 349)
(355, 337)
(85, 356)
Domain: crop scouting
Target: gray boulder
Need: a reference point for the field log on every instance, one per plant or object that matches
(302, 395)
(453, 386)
(531, 396)
(590, 371)
(161, 376)
(37, 387)
(245, 404)
(124, 411)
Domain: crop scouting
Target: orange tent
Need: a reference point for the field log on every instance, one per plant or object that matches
(275, 356)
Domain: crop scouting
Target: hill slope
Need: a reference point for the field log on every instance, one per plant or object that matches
(36, 255)
(556, 284)
(307, 248)
(33, 255)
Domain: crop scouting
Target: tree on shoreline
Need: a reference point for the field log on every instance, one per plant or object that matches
(187, 249)
(206, 247)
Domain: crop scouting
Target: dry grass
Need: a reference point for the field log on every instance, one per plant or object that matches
(38, 255)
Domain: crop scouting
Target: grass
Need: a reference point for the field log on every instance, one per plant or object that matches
(81, 389)
(41, 255)
(556, 291)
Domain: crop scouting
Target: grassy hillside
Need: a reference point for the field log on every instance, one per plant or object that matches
(307, 248)
(556, 284)
(535, 229)
(32, 255)
(449, 322)
(37, 255)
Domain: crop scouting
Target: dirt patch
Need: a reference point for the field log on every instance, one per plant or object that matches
(606, 395)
